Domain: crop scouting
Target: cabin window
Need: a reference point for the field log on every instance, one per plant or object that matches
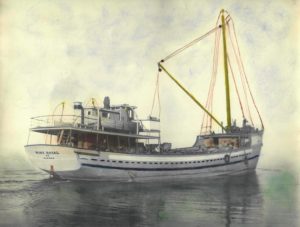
(130, 114)
(216, 141)
(120, 161)
(94, 159)
(94, 112)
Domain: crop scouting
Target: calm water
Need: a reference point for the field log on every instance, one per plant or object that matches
(262, 198)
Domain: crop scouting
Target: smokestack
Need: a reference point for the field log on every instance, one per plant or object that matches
(106, 102)
(78, 106)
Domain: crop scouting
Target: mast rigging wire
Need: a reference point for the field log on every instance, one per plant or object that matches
(243, 68)
(208, 124)
(178, 51)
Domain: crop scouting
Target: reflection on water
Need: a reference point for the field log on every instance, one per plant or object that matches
(264, 198)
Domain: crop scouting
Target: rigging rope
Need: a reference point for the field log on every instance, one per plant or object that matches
(211, 93)
(214, 80)
(236, 89)
(190, 44)
(238, 60)
(261, 121)
(243, 77)
(156, 93)
(208, 105)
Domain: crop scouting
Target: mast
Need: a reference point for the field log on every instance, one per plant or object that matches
(227, 91)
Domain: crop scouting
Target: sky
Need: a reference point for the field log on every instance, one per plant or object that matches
(53, 51)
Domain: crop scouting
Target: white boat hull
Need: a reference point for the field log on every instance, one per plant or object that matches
(78, 164)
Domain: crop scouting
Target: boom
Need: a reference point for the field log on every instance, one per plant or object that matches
(190, 95)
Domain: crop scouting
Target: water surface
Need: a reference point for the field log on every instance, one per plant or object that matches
(262, 198)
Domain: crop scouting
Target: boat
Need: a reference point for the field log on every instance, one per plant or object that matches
(110, 143)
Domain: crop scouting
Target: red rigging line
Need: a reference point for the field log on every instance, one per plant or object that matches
(236, 89)
(214, 78)
(238, 60)
(156, 93)
(178, 51)
(242, 75)
(208, 117)
(212, 82)
(208, 105)
(261, 121)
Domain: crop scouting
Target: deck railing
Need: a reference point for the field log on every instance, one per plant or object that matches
(61, 121)
(74, 121)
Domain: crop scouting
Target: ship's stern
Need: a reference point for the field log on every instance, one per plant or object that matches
(52, 158)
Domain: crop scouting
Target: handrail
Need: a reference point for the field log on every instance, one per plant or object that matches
(67, 115)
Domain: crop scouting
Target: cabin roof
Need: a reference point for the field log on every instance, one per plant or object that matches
(55, 130)
(123, 105)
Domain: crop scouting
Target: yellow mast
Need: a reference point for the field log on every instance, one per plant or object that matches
(160, 66)
(228, 109)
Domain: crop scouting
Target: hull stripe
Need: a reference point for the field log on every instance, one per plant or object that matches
(166, 169)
